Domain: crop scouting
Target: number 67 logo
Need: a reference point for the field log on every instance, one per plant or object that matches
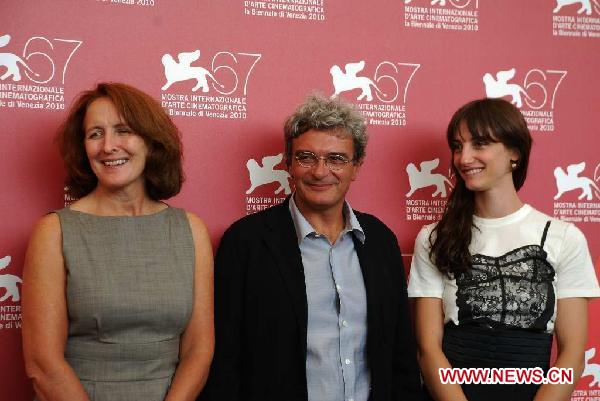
(226, 72)
(389, 81)
(40, 59)
(537, 91)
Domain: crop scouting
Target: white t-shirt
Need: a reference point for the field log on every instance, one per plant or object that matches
(565, 246)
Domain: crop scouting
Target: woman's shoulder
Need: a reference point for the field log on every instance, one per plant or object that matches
(197, 225)
(561, 235)
(48, 225)
(556, 225)
(46, 234)
(192, 217)
(423, 239)
(427, 229)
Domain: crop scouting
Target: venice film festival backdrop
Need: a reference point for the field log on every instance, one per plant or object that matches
(230, 71)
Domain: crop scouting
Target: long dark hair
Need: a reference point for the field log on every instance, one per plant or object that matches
(493, 120)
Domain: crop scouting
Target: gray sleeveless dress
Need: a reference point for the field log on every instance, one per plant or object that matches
(129, 298)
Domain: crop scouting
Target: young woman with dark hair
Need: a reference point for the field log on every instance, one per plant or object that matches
(118, 286)
(494, 279)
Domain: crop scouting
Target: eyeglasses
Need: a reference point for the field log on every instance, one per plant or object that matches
(333, 161)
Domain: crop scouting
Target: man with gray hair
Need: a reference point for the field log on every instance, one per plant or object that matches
(310, 295)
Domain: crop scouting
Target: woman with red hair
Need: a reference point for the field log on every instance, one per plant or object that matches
(118, 286)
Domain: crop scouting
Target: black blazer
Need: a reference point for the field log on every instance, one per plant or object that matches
(261, 313)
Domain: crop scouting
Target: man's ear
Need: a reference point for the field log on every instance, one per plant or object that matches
(356, 167)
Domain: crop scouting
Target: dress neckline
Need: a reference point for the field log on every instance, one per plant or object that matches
(91, 215)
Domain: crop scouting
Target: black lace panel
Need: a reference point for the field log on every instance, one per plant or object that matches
(513, 290)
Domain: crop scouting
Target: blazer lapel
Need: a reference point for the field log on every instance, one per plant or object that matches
(283, 244)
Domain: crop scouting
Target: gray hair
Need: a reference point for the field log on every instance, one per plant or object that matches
(327, 114)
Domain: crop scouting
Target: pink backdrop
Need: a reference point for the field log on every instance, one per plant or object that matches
(423, 61)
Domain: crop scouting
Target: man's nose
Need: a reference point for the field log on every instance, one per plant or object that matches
(320, 169)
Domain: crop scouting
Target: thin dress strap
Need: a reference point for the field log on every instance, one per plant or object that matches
(545, 233)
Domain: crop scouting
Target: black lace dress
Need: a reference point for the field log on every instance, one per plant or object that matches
(504, 305)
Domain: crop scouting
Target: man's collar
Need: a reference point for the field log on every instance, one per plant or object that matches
(303, 227)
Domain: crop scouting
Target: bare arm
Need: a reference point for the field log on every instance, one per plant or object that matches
(571, 336)
(45, 320)
(198, 339)
(429, 329)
